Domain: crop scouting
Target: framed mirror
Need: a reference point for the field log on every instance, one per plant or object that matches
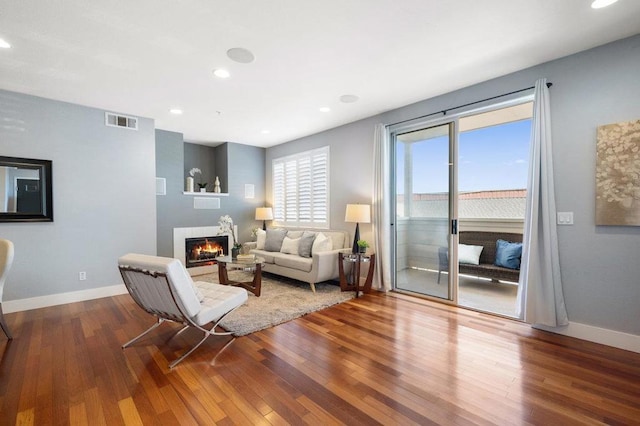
(25, 190)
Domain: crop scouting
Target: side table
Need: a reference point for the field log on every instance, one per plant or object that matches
(350, 281)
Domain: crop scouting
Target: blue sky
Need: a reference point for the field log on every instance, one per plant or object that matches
(490, 158)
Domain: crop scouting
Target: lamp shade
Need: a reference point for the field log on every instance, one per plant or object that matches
(359, 213)
(264, 213)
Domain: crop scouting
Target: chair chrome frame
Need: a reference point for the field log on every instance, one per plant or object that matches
(7, 252)
(165, 281)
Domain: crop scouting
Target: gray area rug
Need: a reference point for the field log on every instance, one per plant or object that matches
(281, 300)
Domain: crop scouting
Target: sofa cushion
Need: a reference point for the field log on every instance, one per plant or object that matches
(469, 254)
(294, 234)
(321, 244)
(274, 239)
(266, 255)
(261, 238)
(290, 245)
(508, 254)
(293, 261)
(306, 243)
(337, 239)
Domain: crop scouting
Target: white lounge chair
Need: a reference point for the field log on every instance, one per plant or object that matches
(163, 287)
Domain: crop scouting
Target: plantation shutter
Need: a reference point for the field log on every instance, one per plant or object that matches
(301, 189)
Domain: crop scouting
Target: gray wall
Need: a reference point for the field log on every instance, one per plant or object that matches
(600, 268)
(245, 165)
(103, 195)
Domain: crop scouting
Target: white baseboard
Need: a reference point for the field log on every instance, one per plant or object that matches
(617, 339)
(62, 298)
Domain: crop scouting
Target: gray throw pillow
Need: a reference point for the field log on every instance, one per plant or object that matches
(274, 239)
(305, 244)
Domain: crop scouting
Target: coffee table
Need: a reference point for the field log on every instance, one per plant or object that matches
(249, 265)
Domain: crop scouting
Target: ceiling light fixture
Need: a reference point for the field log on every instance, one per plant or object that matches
(176, 111)
(324, 109)
(4, 44)
(221, 73)
(599, 4)
(241, 55)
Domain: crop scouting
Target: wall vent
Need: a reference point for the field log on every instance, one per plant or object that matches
(201, 203)
(118, 120)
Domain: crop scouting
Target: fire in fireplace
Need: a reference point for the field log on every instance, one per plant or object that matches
(203, 251)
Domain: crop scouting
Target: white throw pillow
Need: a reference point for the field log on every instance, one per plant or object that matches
(261, 237)
(290, 245)
(469, 254)
(321, 243)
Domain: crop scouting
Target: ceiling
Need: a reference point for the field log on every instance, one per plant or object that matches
(144, 57)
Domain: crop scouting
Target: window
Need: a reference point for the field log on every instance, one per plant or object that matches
(301, 189)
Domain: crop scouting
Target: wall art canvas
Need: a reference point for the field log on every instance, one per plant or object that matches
(618, 174)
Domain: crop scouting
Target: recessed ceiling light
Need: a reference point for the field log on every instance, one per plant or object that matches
(349, 99)
(176, 111)
(265, 132)
(221, 73)
(240, 54)
(4, 44)
(324, 109)
(598, 4)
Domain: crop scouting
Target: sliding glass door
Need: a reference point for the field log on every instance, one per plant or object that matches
(424, 210)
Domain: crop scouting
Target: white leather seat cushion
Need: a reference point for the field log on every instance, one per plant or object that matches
(218, 300)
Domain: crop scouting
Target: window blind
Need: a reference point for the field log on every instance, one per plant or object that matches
(301, 189)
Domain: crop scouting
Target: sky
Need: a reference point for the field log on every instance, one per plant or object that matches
(489, 158)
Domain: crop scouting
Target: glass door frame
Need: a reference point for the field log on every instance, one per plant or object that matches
(411, 126)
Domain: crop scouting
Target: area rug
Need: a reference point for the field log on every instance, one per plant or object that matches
(281, 300)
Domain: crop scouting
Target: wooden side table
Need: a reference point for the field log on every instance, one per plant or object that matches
(253, 265)
(351, 281)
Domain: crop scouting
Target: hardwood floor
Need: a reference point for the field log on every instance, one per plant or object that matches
(373, 360)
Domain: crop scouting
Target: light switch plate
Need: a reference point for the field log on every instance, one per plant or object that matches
(565, 218)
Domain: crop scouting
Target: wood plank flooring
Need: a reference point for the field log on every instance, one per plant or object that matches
(378, 359)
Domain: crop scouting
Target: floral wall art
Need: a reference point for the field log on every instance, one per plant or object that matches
(618, 174)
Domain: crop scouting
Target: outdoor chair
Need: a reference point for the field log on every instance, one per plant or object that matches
(163, 288)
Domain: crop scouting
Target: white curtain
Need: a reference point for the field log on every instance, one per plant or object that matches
(381, 209)
(540, 298)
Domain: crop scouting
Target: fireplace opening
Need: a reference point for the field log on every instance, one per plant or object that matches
(203, 251)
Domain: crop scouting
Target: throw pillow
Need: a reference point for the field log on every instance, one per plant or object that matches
(469, 254)
(261, 237)
(290, 245)
(321, 243)
(508, 254)
(306, 242)
(294, 234)
(274, 239)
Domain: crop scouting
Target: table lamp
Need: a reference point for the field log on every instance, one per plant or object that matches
(358, 213)
(264, 214)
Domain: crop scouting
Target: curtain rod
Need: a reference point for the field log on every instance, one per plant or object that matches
(444, 111)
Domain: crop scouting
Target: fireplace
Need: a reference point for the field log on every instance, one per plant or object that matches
(181, 235)
(203, 251)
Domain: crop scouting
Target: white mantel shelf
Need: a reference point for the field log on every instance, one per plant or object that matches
(207, 194)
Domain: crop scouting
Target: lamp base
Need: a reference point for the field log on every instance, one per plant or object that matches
(264, 225)
(356, 237)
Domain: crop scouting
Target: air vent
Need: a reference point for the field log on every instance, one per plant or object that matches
(117, 120)
(201, 203)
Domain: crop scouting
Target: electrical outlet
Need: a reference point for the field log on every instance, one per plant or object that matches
(82, 276)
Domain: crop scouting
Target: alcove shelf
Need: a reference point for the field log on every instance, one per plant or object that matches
(207, 194)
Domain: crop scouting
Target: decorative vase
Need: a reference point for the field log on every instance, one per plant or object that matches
(234, 253)
(216, 185)
(362, 250)
(203, 189)
(189, 187)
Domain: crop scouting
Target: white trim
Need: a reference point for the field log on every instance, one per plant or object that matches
(617, 339)
(62, 298)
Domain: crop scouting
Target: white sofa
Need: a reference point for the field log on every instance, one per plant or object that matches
(321, 266)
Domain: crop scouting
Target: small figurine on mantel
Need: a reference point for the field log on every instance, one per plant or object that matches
(216, 185)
